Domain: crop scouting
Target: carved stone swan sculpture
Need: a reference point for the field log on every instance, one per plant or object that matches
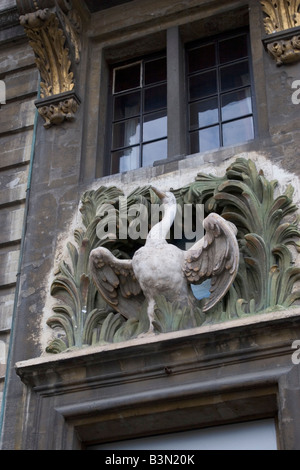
(160, 268)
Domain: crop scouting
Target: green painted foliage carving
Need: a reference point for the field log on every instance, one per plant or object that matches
(267, 278)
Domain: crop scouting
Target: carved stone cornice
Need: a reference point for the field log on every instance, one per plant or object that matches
(282, 26)
(54, 28)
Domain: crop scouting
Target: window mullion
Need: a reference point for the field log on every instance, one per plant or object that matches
(219, 94)
(142, 112)
(176, 95)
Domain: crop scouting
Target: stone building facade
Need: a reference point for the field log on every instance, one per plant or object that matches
(198, 96)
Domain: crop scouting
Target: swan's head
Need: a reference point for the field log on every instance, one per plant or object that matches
(167, 198)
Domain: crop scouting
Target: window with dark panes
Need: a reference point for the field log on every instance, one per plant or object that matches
(219, 94)
(139, 127)
(149, 121)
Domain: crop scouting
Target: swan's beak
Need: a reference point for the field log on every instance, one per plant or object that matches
(159, 193)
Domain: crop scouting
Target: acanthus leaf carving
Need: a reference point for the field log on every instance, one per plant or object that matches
(282, 22)
(280, 15)
(54, 35)
(267, 277)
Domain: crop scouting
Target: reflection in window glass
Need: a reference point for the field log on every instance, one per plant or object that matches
(127, 106)
(155, 126)
(204, 113)
(154, 151)
(233, 76)
(126, 133)
(139, 96)
(236, 132)
(251, 435)
(203, 84)
(125, 160)
(220, 98)
(205, 139)
(236, 104)
(155, 98)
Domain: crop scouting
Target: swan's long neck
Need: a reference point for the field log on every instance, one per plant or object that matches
(161, 229)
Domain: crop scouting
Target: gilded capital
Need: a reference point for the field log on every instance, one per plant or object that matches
(282, 27)
(53, 28)
(280, 15)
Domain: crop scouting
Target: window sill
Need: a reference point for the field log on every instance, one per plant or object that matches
(232, 327)
(180, 163)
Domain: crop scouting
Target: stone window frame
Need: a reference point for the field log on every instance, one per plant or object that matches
(142, 113)
(216, 40)
(122, 45)
(177, 77)
(177, 126)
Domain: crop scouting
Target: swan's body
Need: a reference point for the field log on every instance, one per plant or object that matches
(160, 268)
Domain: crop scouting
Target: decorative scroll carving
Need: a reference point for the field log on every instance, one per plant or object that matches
(54, 35)
(52, 58)
(282, 17)
(266, 280)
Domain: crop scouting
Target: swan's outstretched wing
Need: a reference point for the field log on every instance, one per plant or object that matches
(115, 280)
(215, 256)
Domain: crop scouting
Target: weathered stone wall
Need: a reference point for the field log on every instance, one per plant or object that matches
(18, 71)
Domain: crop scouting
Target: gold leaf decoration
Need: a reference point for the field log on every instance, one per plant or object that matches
(280, 14)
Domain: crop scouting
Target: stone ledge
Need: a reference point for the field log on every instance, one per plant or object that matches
(238, 370)
(258, 321)
(283, 46)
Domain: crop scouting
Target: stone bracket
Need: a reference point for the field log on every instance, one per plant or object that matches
(284, 46)
(58, 108)
(282, 22)
(53, 28)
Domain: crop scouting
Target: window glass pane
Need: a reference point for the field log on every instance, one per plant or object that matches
(126, 78)
(237, 132)
(204, 113)
(127, 106)
(236, 104)
(155, 151)
(155, 71)
(203, 85)
(233, 49)
(206, 139)
(126, 133)
(201, 58)
(125, 160)
(155, 126)
(233, 76)
(155, 98)
(250, 435)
